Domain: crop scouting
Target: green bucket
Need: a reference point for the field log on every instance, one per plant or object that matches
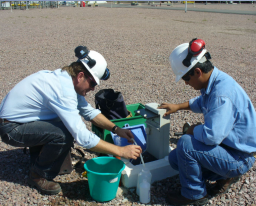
(104, 174)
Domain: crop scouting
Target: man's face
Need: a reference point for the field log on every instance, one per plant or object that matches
(193, 83)
(84, 84)
(194, 80)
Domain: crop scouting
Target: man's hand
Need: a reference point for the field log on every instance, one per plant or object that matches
(171, 108)
(131, 151)
(125, 133)
(128, 152)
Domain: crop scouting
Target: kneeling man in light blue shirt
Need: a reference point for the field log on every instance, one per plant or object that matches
(221, 148)
(44, 112)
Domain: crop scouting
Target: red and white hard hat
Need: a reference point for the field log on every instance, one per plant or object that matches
(185, 56)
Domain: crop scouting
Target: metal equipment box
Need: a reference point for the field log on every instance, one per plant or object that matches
(157, 139)
(136, 119)
(160, 169)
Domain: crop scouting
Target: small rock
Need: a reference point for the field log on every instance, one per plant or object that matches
(124, 200)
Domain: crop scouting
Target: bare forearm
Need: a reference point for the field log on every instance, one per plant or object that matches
(183, 106)
(101, 121)
(107, 148)
(128, 152)
(171, 108)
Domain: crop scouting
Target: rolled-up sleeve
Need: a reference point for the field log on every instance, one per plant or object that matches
(195, 104)
(66, 109)
(219, 120)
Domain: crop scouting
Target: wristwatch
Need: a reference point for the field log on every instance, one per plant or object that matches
(114, 129)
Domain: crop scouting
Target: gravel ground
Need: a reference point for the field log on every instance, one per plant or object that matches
(137, 44)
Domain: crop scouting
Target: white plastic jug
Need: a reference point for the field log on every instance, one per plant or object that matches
(144, 174)
(144, 192)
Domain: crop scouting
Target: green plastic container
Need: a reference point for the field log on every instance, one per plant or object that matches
(104, 174)
(136, 119)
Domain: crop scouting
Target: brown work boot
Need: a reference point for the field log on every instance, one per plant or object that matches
(43, 185)
(222, 186)
(175, 198)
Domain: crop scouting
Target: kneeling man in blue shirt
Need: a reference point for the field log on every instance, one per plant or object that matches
(44, 112)
(221, 148)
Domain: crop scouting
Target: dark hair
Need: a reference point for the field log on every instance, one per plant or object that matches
(205, 66)
(75, 68)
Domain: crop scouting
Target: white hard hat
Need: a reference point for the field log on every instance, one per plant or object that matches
(94, 62)
(178, 55)
(100, 67)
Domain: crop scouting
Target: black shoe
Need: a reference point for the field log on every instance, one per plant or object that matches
(175, 198)
(43, 185)
(222, 186)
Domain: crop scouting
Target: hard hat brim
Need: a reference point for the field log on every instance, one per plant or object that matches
(195, 60)
(97, 80)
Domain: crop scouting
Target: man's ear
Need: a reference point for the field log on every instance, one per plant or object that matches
(80, 76)
(198, 72)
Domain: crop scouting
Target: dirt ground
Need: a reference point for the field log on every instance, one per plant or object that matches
(136, 44)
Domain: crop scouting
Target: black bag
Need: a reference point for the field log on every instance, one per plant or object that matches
(111, 104)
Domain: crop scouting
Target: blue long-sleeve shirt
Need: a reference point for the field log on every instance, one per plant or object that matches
(229, 114)
(47, 95)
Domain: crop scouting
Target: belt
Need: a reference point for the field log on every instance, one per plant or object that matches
(4, 120)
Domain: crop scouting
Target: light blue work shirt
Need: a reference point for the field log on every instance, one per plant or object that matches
(228, 112)
(47, 95)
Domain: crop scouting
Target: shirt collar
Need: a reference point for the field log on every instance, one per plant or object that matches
(212, 79)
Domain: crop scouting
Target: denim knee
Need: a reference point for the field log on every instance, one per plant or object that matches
(185, 143)
(64, 136)
(68, 140)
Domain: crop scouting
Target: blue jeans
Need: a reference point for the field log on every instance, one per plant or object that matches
(51, 138)
(197, 162)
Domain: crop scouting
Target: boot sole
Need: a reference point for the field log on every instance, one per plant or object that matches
(203, 201)
(196, 203)
(48, 192)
